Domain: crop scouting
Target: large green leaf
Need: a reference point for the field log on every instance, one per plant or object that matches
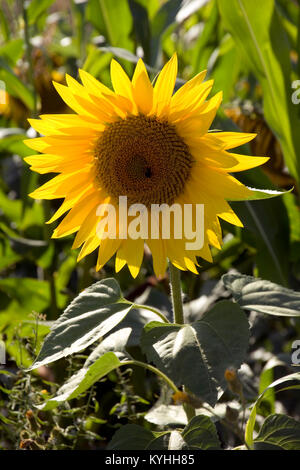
(115, 342)
(95, 312)
(262, 40)
(83, 380)
(279, 432)
(199, 434)
(131, 437)
(262, 296)
(113, 19)
(196, 355)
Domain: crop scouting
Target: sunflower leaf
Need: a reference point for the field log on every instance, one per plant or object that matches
(262, 296)
(196, 355)
(279, 432)
(131, 437)
(95, 312)
(200, 433)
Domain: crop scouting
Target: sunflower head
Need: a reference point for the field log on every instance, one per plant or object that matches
(149, 145)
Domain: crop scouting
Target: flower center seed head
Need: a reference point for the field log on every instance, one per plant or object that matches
(144, 159)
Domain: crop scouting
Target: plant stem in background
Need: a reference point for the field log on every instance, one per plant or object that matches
(153, 310)
(153, 369)
(176, 294)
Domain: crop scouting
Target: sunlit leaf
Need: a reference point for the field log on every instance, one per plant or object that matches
(83, 380)
(196, 355)
(95, 312)
(279, 432)
(262, 296)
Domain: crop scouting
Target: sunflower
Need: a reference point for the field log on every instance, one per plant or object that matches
(148, 144)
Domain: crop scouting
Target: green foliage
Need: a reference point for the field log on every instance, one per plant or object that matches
(90, 316)
(199, 434)
(87, 368)
(251, 421)
(262, 296)
(264, 46)
(197, 355)
(279, 432)
(83, 379)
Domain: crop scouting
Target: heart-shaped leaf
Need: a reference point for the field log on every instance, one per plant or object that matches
(95, 312)
(200, 434)
(196, 355)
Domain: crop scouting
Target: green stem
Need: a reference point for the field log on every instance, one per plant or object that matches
(176, 294)
(153, 369)
(151, 309)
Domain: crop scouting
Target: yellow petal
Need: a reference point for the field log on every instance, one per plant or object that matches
(74, 219)
(180, 98)
(120, 260)
(107, 249)
(60, 185)
(92, 85)
(90, 223)
(190, 265)
(69, 99)
(38, 144)
(47, 163)
(45, 128)
(230, 162)
(70, 200)
(229, 188)
(230, 140)
(158, 250)
(194, 104)
(164, 85)
(120, 81)
(142, 88)
(131, 252)
(89, 246)
(71, 120)
(230, 216)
